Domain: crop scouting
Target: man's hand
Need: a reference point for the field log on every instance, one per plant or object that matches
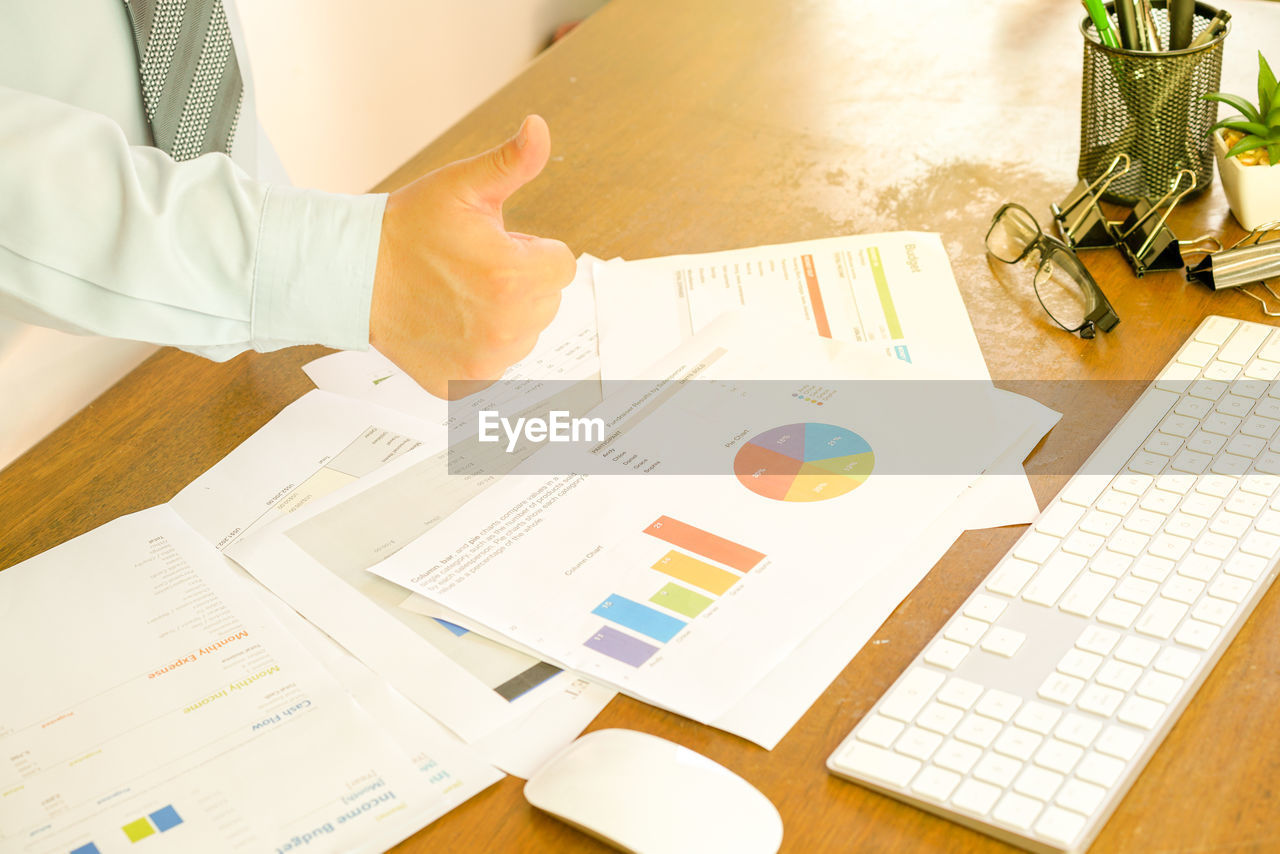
(456, 296)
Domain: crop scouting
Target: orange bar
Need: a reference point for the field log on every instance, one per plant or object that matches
(703, 543)
(815, 297)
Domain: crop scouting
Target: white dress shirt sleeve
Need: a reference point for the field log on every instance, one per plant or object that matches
(98, 236)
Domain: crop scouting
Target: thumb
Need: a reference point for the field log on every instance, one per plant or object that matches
(490, 178)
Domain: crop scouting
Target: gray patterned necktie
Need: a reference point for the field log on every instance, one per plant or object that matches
(191, 87)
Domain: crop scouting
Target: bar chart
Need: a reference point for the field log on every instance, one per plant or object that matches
(698, 568)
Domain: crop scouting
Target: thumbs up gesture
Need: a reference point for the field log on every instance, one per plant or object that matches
(457, 298)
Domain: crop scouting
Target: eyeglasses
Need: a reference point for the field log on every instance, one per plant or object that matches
(1064, 287)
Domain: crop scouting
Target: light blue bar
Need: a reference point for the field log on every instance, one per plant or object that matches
(639, 618)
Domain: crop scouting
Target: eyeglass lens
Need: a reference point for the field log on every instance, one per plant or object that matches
(1011, 234)
(1061, 293)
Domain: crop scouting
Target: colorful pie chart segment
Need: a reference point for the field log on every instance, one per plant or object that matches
(804, 462)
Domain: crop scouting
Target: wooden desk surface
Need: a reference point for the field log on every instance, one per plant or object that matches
(686, 127)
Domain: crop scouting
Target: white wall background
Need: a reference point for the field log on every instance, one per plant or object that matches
(348, 92)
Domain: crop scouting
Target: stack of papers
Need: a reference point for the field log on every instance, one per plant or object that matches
(795, 434)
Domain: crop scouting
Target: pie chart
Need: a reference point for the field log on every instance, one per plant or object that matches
(804, 462)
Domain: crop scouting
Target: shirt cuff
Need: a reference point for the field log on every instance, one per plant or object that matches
(313, 278)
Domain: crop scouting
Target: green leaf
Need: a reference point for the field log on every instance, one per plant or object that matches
(1272, 119)
(1241, 103)
(1273, 151)
(1255, 128)
(1266, 85)
(1249, 143)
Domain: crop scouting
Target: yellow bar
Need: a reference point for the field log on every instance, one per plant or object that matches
(693, 571)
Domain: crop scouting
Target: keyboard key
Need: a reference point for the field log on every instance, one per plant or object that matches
(1058, 756)
(1243, 344)
(1144, 522)
(1207, 443)
(960, 693)
(1097, 639)
(1118, 675)
(978, 730)
(1152, 568)
(1169, 546)
(939, 718)
(1216, 330)
(1002, 641)
(1260, 544)
(1011, 576)
(1216, 485)
(1111, 563)
(946, 654)
(1182, 589)
(1038, 783)
(935, 783)
(1136, 590)
(1207, 389)
(1120, 742)
(1193, 407)
(1246, 446)
(1097, 522)
(1177, 662)
(1265, 485)
(1141, 712)
(1196, 353)
(1147, 463)
(1017, 743)
(1230, 524)
(918, 743)
(1231, 464)
(879, 730)
(1159, 501)
(1197, 634)
(1037, 717)
(1117, 613)
(1086, 594)
(1178, 425)
(1177, 377)
(1246, 503)
(1184, 525)
(1199, 567)
(1058, 688)
(956, 756)
(1259, 427)
(1214, 545)
(1162, 444)
(1250, 567)
(1081, 797)
(996, 769)
(1250, 387)
(1159, 687)
(1035, 547)
(1219, 371)
(1137, 651)
(998, 704)
(1191, 462)
(1060, 825)
(1130, 484)
(879, 764)
(1018, 811)
(965, 630)
(1232, 589)
(1058, 519)
(1118, 502)
(985, 608)
(1080, 664)
(1128, 543)
(976, 797)
(1179, 483)
(1053, 579)
(1083, 489)
(1080, 543)
(1260, 370)
(1103, 770)
(1268, 522)
(1078, 729)
(905, 699)
(1201, 505)
(1100, 700)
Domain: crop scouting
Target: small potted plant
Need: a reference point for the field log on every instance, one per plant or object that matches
(1248, 149)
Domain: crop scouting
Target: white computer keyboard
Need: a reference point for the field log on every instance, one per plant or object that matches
(1033, 710)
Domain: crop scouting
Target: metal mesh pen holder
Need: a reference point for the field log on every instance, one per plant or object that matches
(1149, 106)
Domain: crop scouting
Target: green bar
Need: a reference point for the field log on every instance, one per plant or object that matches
(682, 600)
(882, 288)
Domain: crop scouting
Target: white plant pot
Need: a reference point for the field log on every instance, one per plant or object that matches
(1252, 191)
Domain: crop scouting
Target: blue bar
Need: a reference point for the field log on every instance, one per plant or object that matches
(165, 818)
(89, 848)
(639, 618)
(453, 627)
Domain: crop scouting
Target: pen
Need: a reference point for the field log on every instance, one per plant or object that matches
(1181, 14)
(1128, 25)
(1216, 26)
(1147, 31)
(1102, 22)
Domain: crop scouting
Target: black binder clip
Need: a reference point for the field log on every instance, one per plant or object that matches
(1080, 219)
(1150, 246)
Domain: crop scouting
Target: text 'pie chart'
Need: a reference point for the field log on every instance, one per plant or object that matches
(804, 462)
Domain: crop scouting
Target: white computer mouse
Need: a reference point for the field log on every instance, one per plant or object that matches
(645, 794)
